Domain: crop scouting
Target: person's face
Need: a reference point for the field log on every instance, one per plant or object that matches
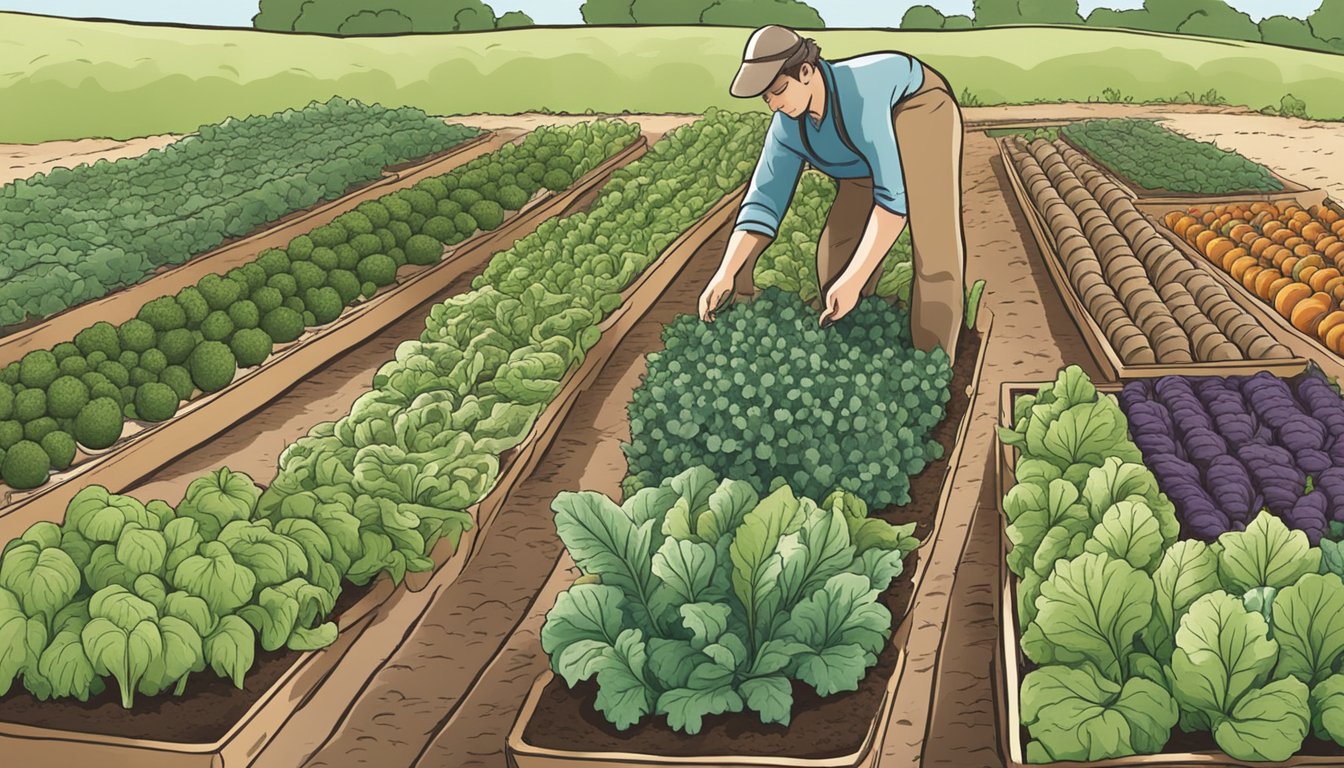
(790, 95)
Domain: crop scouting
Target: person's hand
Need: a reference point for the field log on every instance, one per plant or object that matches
(711, 300)
(841, 298)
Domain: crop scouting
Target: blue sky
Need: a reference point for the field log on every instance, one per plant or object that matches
(837, 13)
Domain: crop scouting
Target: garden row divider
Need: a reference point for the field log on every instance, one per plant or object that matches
(312, 696)
(149, 447)
(123, 304)
(1095, 338)
(1280, 327)
(521, 754)
(1009, 662)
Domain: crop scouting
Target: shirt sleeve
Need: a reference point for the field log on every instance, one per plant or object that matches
(877, 142)
(771, 189)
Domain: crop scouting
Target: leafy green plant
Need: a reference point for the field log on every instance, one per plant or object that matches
(699, 598)
(1156, 158)
(735, 395)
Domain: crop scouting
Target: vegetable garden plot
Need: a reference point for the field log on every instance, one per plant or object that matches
(1280, 261)
(121, 305)
(299, 496)
(74, 234)
(144, 447)
(1154, 164)
(843, 729)
(1142, 308)
(1213, 641)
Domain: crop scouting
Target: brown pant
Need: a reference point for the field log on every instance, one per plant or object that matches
(928, 129)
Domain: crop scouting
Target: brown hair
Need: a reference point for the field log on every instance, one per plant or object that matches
(808, 53)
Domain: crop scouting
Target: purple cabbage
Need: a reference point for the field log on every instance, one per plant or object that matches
(1308, 514)
(1322, 402)
(1331, 483)
(1229, 484)
(1203, 445)
(1311, 461)
(1275, 474)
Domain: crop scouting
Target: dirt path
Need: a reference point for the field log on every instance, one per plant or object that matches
(19, 161)
(452, 690)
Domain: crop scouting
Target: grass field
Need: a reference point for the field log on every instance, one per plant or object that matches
(71, 79)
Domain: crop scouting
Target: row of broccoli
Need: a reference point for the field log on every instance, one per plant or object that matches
(81, 393)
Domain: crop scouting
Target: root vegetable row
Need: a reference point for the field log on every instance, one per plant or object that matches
(1152, 304)
(1292, 258)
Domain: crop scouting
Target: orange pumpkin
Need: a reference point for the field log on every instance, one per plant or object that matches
(1208, 218)
(1304, 262)
(1303, 250)
(1258, 246)
(1193, 231)
(1308, 313)
(1275, 254)
(1278, 286)
(1326, 242)
(1271, 227)
(1239, 232)
(1330, 321)
(1182, 224)
(1206, 237)
(1218, 248)
(1248, 277)
(1281, 236)
(1263, 280)
(1290, 296)
(1293, 242)
(1321, 277)
(1313, 231)
(1303, 274)
(1298, 215)
(1288, 265)
(1239, 266)
(1334, 339)
(1334, 249)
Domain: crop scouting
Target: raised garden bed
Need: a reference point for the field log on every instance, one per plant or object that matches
(122, 305)
(558, 726)
(229, 727)
(1303, 344)
(1135, 259)
(148, 447)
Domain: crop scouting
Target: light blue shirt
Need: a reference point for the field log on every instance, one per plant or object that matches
(866, 89)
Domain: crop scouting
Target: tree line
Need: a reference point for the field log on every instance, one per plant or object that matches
(1323, 30)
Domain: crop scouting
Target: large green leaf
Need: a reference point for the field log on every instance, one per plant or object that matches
(1222, 652)
(1309, 627)
(1188, 571)
(1090, 608)
(1267, 724)
(1266, 554)
(1079, 714)
(757, 566)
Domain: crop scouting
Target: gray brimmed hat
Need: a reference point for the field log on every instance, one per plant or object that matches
(767, 53)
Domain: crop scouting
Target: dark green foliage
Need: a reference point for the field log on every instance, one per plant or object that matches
(421, 202)
(128, 359)
(307, 275)
(217, 327)
(345, 283)
(105, 389)
(179, 378)
(25, 466)
(266, 299)
(439, 229)
(212, 366)
(66, 396)
(30, 404)
(38, 369)
(417, 222)
(155, 402)
(245, 314)
(282, 324)
(385, 239)
(466, 224)
(324, 259)
(424, 249)
(398, 257)
(153, 360)
(487, 213)
(367, 289)
(285, 284)
(193, 304)
(275, 262)
(1156, 158)
(355, 223)
(366, 245)
(327, 236)
(96, 359)
(398, 207)
(136, 335)
(448, 208)
(375, 212)
(434, 186)
(64, 351)
(378, 269)
(37, 429)
(250, 346)
(401, 231)
(347, 257)
(218, 292)
(465, 197)
(295, 303)
(141, 376)
(300, 249)
(556, 180)
(99, 423)
(10, 374)
(177, 345)
(763, 392)
(163, 314)
(6, 402)
(325, 304)
(512, 197)
(74, 366)
(115, 373)
(60, 449)
(11, 432)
